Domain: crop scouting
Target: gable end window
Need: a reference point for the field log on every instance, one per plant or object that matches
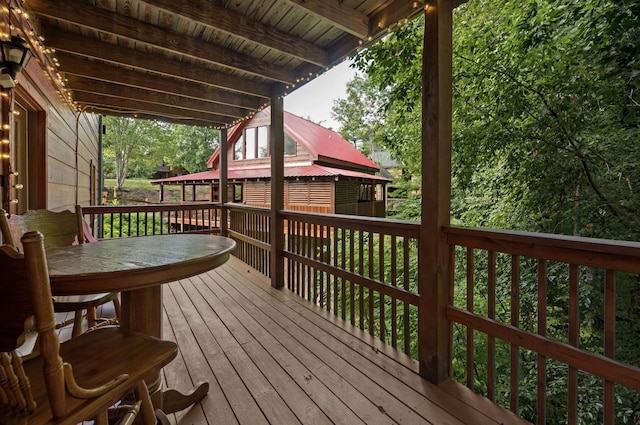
(253, 143)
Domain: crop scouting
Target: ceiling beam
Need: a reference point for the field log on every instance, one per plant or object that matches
(101, 111)
(208, 13)
(88, 85)
(64, 41)
(394, 14)
(336, 13)
(74, 65)
(99, 19)
(109, 103)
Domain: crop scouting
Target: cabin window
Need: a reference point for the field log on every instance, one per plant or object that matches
(238, 149)
(237, 192)
(253, 143)
(263, 141)
(289, 145)
(367, 193)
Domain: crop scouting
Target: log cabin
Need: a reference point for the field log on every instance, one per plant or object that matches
(285, 343)
(323, 172)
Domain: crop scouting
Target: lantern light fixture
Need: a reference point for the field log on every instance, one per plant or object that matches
(15, 56)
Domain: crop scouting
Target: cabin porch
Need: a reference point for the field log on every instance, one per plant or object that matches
(351, 306)
(273, 357)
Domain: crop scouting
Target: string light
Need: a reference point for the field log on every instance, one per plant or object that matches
(44, 55)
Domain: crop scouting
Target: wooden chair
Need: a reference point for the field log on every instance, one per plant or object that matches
(60, 229)
(74, 381)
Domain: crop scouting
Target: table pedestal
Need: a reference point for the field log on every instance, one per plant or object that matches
(141, 311)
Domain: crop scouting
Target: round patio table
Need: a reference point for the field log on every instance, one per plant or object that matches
(137, 267)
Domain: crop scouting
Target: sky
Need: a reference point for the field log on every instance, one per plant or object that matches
(315, 99)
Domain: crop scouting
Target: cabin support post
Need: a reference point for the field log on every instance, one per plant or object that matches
(434, 285)
(223, 187)
(277, 191)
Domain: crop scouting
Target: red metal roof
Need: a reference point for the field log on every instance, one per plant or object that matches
(263, 172)
(321, 142)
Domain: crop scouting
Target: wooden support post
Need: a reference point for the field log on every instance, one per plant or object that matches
(277, 191)
(5, 149)
(433, 326)
(223, 190)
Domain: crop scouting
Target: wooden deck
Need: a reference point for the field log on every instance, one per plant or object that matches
(273, 358)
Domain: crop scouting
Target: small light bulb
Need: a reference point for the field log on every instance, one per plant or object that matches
(18, 186)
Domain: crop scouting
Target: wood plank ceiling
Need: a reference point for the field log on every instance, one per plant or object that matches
(202, 62)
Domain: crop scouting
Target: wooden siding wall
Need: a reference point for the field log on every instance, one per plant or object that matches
(347, 192)
(311, 196)
(257, 193)
(66, 132)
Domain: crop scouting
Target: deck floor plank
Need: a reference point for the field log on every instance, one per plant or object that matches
(237, 396)
(273, 357)
(269, 358)
(272, 406)
(312, 392)
(192, 363)
(369, 399)
(359, 348)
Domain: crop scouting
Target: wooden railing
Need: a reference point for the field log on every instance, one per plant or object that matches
(561, 321)
(249, 227)
(140, 220)
(532, 315)
(363, 270)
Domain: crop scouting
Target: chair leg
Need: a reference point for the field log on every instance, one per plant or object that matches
(116, 306)
(142, 394)
(91, 317)
(101, 419)
(77, 324)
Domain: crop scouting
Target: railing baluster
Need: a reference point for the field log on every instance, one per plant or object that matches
(405, 306)
(394, 282)
(361, 289)
(574, 335)
(542, 331)
(491, 314)
(515, 322)
(609, 342)
(352, 286)
(469, 344)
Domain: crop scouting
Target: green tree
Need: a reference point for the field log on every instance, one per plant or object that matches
(190, 147)
(129, 142)
(545, 138)
(360, 114)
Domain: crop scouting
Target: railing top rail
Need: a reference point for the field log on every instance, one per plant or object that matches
(114, 209)
(243, 207)
(378, 225)
(602, 253)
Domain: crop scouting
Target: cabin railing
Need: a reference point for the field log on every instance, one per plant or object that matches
(559, 336)
(532, 316)
(363, 270)
(114, 221)
(249, 227)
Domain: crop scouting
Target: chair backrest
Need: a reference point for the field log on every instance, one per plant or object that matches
(59, 228)
(26, 292)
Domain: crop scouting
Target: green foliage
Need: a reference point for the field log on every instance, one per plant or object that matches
(545, 138)
(190, 147)
(134, 224)
(131, 145)
(135, 148)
